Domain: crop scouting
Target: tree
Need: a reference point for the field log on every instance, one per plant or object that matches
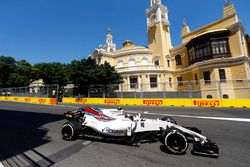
(86, 72)
(108, 75)
(8, 66)
(22, 75)
(51, 73)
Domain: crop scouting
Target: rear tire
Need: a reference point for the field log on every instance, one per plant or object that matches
(70, 130)
(175, 141)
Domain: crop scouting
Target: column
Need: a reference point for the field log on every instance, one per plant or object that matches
(128, 80)
(139, 83)
(148, 77)
(159, 82)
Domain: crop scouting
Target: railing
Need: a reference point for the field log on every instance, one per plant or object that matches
(237, 89)
(139, 68)
(48, 91)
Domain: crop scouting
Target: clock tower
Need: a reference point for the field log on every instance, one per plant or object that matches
(159, 40)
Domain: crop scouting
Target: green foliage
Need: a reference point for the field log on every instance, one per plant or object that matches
(86, 72)
(8, 67)
(51, 73)
(81, 73)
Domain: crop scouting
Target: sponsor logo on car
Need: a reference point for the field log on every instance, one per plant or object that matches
(109, 130)
(207, 103)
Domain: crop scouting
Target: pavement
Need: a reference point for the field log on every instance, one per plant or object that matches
(30, 136)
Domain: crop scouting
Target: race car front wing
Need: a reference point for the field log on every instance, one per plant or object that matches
(209, 148)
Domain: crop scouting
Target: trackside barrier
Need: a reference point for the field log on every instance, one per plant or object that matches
(49, 101)
(161, 102)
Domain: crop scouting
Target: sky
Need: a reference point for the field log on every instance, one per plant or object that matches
(65, 30)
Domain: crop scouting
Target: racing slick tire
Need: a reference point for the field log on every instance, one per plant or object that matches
(175, 141)
(169, 119)
(70, 130)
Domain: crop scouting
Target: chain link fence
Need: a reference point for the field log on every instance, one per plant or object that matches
(236, 89)
(43, 91)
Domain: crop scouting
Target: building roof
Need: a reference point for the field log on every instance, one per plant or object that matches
(129, 46)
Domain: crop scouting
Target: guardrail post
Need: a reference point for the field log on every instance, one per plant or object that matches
(164, 85)
(190, 94)
(219, 90)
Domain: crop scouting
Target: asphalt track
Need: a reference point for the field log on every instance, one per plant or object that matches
(30, 136)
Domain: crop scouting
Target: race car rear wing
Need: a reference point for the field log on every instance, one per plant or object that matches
(74, 115)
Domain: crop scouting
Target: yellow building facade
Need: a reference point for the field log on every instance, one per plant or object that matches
(211, 62)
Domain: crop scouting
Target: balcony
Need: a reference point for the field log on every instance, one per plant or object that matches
(209, 57)
(139, 68)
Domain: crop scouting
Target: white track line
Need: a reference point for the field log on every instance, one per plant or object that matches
(200, 117)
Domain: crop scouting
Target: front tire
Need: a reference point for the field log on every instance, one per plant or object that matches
(70, 130)
(175, 141)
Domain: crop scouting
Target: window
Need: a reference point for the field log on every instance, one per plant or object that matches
(222, 75)
(157, 63)
(131, 63)
(133, 82)
(220, 45)
(168, 63)
(206, 75)
(178, 60)
(225, 96)
(208, 47)
(120, 64)
(144, 62)
(153, 81)
(196, 79)
(209, 96)
(170, 82)
(179, 81)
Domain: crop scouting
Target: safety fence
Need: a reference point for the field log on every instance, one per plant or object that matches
(41, 91)
(48, 101)
(224, 89)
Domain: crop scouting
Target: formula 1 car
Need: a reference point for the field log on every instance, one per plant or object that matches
(115, 125)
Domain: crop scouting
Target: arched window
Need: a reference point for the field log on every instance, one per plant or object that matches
(178, 60)
(131, 63)
(209, 96)
(144, 61)
(120, 64)
(225, 96)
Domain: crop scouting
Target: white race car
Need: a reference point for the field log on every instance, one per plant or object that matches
(115, 125)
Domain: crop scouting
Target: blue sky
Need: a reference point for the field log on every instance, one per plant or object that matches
(64, 30)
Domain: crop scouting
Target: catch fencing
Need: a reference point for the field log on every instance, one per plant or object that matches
(236, 89)
(41, 91)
